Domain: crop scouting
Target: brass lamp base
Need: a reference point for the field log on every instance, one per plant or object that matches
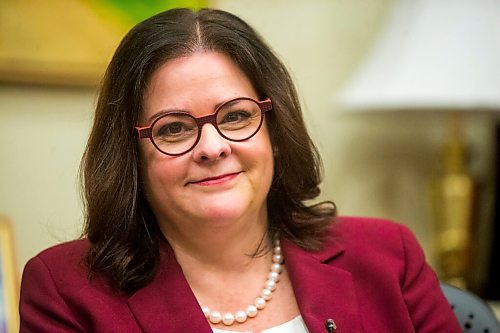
(452, 194)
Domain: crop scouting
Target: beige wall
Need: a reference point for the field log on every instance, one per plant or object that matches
(42, 135)
(374, 165)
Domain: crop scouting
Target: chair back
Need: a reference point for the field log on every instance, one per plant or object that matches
(473, 313)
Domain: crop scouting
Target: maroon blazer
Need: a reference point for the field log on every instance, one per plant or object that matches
(370, 277)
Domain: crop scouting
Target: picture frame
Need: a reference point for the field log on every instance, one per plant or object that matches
(9, 284)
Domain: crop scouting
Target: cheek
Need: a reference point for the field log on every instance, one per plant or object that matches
(263, 156)
(266, 146)
(158, 171)
(146, 156)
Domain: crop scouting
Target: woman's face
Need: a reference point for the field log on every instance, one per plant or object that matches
(219, 182)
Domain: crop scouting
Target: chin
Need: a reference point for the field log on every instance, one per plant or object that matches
(223, 212)
(228, 212)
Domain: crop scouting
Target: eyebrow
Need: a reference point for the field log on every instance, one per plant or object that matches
(165, 111)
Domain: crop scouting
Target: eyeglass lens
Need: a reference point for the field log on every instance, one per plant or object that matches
(236, 120)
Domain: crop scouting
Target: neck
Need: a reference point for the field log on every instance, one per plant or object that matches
(221, 248)
(217, 263)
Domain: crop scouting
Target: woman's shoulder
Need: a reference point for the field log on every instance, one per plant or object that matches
(62, 261)
(65, 252)
(361, 228)
(373, 237)
(62, 267)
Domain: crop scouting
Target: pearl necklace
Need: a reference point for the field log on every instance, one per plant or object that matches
(215, 317)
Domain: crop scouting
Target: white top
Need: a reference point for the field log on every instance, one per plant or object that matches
(296, 325)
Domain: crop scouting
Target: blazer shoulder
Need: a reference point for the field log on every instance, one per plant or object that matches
(361, 228)
(364, 239)
(366, 226)
(64, 262)
(64, 252)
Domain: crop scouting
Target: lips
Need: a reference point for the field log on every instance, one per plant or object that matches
(216, 180)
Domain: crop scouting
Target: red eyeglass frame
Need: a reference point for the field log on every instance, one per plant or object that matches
(146, 132)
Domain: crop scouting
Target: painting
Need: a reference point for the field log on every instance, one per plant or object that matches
(68, 42)
(9, 287)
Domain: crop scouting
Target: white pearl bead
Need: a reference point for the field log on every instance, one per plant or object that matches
(252, 311)
(228, 319)
(276, 242)
(274, 276)
(260, 303)
(215, 317)
(277, 250)
(278, 258)
(206, 311)
(241, 316)
(276, 268)
(271, 285)
(266, 294)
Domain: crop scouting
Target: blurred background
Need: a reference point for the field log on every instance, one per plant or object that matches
(382, 155)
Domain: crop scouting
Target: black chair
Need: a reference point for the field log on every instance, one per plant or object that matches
(474, 314)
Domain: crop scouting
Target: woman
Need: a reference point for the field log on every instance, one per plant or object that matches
(195, 180)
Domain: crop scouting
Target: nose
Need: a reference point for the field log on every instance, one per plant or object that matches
(211, 146)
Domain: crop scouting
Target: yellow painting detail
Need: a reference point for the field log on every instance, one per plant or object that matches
(67, 42)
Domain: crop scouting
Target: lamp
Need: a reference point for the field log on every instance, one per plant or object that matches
(437, 55)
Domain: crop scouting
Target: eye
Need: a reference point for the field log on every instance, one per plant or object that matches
(171, 129)
(236, 116)
(174, 128)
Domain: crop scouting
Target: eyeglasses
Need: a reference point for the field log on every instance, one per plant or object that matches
(177, 133)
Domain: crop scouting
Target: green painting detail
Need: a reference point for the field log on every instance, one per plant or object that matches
(134, 11)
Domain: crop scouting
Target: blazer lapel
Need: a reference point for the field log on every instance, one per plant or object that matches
(167, 304)
(322, 290)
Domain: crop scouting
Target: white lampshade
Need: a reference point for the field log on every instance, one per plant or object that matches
(432, 54)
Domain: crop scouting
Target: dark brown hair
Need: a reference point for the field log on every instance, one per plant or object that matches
(119, 223)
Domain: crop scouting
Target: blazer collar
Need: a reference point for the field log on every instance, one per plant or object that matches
(322, 290)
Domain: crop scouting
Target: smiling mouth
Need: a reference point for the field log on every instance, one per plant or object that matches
(216, 180)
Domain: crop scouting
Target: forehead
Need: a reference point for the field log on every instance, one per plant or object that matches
(201, 79)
